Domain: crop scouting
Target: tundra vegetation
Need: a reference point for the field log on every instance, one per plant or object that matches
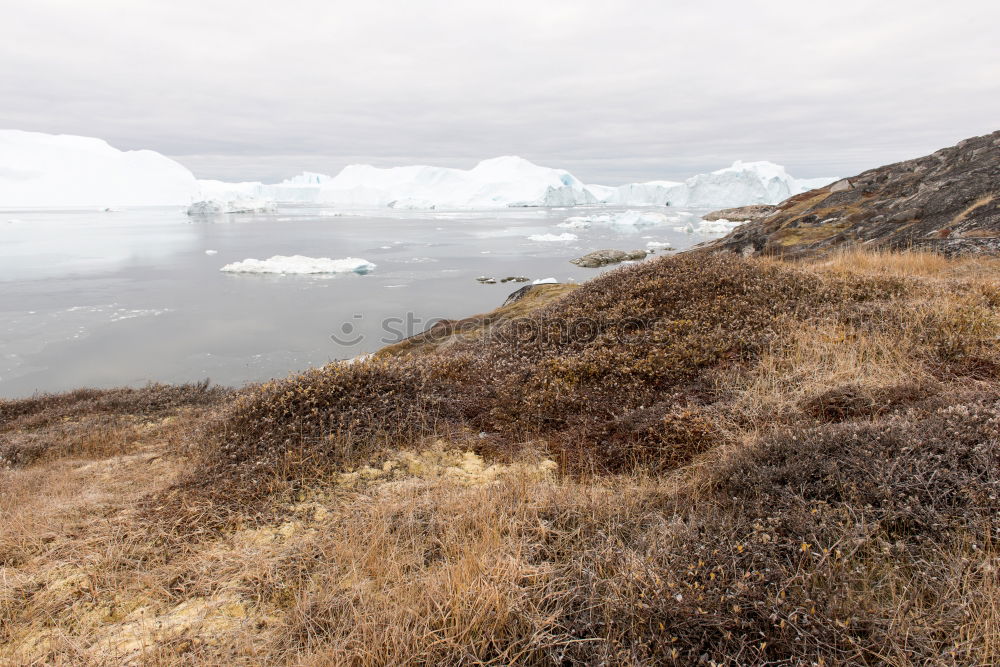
(701, 458)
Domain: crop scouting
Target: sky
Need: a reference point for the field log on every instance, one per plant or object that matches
(614, 91)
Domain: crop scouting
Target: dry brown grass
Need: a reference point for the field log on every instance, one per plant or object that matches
(821, 489)
(908, 264)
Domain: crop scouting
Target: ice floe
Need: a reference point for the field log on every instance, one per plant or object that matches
(553, 237)
(299, 264)
(212, 207)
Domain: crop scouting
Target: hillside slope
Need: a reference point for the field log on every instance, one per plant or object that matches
(718, 459)
(948, 201)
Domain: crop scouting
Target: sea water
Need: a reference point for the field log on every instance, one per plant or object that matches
(109, 298)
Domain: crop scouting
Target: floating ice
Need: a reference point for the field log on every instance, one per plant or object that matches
(212, 207)
(628, 218)
(719, 227)
(298, 264)
(553, 237)
(211, 252)
(545, 281)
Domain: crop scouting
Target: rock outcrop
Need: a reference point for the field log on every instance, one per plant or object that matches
(600, 258)
(948, 201)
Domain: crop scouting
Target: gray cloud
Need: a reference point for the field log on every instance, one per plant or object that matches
(613, 91)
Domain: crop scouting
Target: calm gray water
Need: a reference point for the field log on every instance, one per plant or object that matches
(105, 299)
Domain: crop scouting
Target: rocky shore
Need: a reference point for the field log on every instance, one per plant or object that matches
(948, 201)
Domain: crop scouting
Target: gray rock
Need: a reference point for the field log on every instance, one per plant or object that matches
(600, 258)
(749, 213)
(905, 215)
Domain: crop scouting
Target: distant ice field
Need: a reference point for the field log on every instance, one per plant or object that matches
(101, 299)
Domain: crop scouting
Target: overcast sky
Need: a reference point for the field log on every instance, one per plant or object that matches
(613, 90)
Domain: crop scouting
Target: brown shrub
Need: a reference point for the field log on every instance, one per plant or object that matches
(571, 372)
(853, 401)
(152, 399)
(90, 423)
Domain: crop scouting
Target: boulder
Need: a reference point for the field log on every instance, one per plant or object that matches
(748, 213)
(600, 258)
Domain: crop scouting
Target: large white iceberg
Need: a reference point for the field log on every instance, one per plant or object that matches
(303, 188)
(496, 183)
(40, 170)
(741, 184)
(510, 181)
(299, 264)
(53, 171)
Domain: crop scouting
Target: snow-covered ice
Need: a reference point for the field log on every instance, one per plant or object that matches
(740, 184)
(628, 218)
(299, 264)
(40, 170)
(500, 182)
(496, 183)
(52, 171)
(512, 181)
(212, 207)
(553, 237)
(719, 227)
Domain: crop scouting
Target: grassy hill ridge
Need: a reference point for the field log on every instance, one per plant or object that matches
(695, 458)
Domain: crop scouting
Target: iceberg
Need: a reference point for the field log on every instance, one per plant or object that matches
(40, 170)
(652, 193)
(216, 207)
(511, 181)
(501, 182)
(298, 264)
(740, 184)
(303, 188)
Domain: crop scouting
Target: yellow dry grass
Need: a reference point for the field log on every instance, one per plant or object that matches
(908, 264)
